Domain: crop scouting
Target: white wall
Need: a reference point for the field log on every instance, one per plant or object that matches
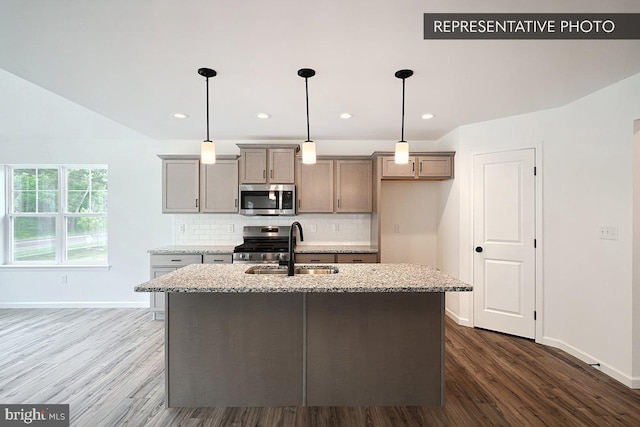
(587, 182)
(412, 206)
(636, 253)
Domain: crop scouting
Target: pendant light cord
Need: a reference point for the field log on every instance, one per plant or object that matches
(207, 79)
(306, 87)
(402, 138)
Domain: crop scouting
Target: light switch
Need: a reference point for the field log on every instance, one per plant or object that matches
(313, 228)
(336, 228)
(230, 228)
(396, 228)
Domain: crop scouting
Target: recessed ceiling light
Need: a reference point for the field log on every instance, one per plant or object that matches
(427, 116)
(263, 115)
(180, 115)
(346, 116)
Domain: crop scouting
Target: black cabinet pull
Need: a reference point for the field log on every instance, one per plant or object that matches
(413, 166)
(479, 249)
(196, 203)
(176, 260)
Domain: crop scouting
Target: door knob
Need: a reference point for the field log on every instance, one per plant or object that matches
(478, 249)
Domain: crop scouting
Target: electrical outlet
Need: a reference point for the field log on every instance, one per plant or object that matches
(608, 232)
(396, 228)
(63, 279)
(182, 228)
(336, 228)
(313, 228)
(230, 228)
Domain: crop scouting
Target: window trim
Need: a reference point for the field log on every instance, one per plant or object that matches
(61, 217)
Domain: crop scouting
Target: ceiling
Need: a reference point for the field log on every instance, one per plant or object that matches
(136, 62)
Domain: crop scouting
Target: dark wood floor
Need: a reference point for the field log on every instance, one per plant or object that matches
(108, 365)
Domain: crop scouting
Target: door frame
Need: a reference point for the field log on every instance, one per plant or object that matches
(538, 212)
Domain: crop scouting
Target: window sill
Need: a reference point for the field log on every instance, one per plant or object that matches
(18, 267)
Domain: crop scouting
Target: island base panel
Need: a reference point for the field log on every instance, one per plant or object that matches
(234, 349)
(375, 349)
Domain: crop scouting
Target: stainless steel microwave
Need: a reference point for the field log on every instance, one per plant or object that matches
(261, 199)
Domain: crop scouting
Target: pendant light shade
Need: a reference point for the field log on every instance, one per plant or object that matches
(308, 147)
(402, 146)
(402, 153)
(207, 147)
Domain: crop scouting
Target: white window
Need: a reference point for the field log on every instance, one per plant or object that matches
(57, 214)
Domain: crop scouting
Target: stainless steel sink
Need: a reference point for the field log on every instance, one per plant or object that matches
(321, 269)
(304, 269)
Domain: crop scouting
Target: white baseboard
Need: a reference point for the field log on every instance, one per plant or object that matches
(84, 304)
(632, 382)
(459, 320)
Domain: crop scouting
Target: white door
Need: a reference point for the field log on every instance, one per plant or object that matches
(504, 238)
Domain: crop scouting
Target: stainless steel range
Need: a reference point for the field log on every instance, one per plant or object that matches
(263, 244)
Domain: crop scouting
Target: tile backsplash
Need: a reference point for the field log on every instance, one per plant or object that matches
(226, 229)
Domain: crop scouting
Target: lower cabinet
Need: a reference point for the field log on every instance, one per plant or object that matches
(167, 263)
(328, 258)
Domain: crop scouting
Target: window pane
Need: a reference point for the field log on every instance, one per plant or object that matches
(24, 201)
(78, 179)
(34, 239)
(47, 179)
(87, 190)
(47, 201)
(78, 201)
(24, 179)
(87, 239)
(99, 201)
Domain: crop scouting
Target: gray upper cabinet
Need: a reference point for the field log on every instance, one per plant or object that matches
(267, 165)
(189, 187)
(426, 166)
(219, 187)
(315, 187)
(180, 185)
(435, 167)
(353, 186)
(390, 169)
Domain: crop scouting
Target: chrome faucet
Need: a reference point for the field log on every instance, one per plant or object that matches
(291, 264)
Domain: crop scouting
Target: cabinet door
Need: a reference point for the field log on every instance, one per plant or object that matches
(357, 258)
(219, 188)
(253, 166)
(390, 169)
(353, 186)
(281, 166)
(440, 167)
(217, 259)
(180, 186)
(315, 258)
(315, 187)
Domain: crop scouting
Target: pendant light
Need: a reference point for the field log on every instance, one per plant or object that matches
(207, 147)
(308, 147)
(402, 146)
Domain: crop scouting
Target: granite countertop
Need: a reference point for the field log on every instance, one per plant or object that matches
(192, 249)
(335, 249)
(228, 249)
(351, 278)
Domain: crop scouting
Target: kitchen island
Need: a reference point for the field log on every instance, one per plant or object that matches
(372, 334)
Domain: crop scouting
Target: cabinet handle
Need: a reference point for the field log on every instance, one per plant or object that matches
(196, 203)
(176, 260)
(420, 167)
(299, 203)
(357, 260)
(338, 202)
(413, 166)
(271, 173)
(315, 260)
(218, 260)
(264, 173)
(236, 203)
